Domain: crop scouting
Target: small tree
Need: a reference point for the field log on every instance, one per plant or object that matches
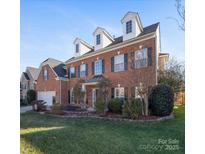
(79, 94)
(104, 86)
(31, 96)
(173, 75)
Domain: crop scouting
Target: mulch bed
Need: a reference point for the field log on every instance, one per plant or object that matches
(108, 116)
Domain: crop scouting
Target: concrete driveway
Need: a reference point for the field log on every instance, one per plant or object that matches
(25, 109)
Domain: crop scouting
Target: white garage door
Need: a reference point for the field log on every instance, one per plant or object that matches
(47, 96)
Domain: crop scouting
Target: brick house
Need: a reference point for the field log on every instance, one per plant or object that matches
(51, 82)
(127, 61)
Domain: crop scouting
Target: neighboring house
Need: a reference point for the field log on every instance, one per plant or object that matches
(127, 61)
(163, 60)
(28, 81)
(52, 82)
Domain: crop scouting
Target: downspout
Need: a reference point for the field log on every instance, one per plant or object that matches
(60, 91)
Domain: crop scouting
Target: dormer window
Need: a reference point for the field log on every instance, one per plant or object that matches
(98, 39)
(77, 48)
(129, 26)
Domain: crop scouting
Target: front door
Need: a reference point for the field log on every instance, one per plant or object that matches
(94, 96)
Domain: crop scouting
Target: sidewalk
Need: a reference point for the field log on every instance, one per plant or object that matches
(25, 109)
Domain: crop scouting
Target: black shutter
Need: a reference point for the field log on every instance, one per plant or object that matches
(103, 66)
(93, 67)
(149, 53)
(86, 69)
(112, 92)
(126, 93)
(69, 73)
(74, 72)
(79, 71)
(112, 64)
(126, 61)
(133, 92)
(69, 96)
(132, 60)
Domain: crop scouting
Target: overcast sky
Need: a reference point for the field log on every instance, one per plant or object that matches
(49, 27)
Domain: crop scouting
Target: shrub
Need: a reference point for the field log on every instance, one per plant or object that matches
(57, 109)
(133, 109)
(161, 100)
(23, 102)
(31, 96)
(100, 107)
(115, 105)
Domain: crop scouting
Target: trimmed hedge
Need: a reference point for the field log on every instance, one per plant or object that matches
(161, 100)
(100, 107)
(115, 105)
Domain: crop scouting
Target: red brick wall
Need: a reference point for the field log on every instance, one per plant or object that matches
(52, 85)
(129, 78)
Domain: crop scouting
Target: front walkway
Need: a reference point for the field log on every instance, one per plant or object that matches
(25, 109)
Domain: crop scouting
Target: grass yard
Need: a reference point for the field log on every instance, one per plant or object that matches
(51, 135)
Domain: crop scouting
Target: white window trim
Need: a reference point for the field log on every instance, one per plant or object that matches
(84, 70)
(119, 63)
(99, 72)
(121, 91)
(72, 95)
(135, 55)
(137, 93)
(71, 69)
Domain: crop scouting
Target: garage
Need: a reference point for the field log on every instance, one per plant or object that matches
(47, 96)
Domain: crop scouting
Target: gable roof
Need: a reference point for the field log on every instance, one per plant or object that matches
(146, 30)
(83, 42)
(51, 61)
(136, 15)
(105, 32)
(33, 72)
(26, 76)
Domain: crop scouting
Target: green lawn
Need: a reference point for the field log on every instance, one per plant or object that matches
(49, 135)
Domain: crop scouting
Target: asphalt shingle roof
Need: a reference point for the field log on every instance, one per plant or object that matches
(146, 30)
(60, 70)
(26, 76)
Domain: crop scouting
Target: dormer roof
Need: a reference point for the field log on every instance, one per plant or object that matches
(83, 42)
(136, 16)
(104, 31)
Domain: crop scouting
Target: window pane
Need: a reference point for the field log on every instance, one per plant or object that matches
(119, 63)
(141, 58)
(82, 70)
(98, 67)
(72, 72)
(77, 48)
(129, 26)
(98, 39)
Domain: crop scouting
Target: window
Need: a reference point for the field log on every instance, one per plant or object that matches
(72, 99)
(119, 63)
(137, 92)
(129, 26)
(141, 58)
(72, 72)
(82, 70)
(119, 92)
(98, 67)
(77, 48)
(45, 75)
(98, 39)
